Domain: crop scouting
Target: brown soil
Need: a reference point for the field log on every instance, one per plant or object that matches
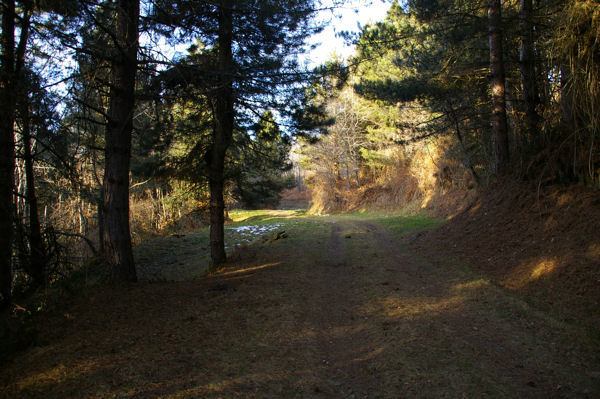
(343, 308)
(543, 243)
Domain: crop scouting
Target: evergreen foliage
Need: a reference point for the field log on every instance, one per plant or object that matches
(258, 165)
(422, 79)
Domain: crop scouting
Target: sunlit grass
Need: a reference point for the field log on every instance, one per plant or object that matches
(59, 374)
(263, 215)
(423, 306)
(409, 224)
(396, 219)
(470, 285)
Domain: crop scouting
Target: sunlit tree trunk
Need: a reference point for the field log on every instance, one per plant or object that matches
(222, 134)
(499, 123)
(117, 236)
(531, 97)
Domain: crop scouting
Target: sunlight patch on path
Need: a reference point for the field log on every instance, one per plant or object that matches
(420, 307)
(250, 269)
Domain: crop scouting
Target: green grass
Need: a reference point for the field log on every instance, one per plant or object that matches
(185, 255)
(398, 223)
(409, 224)
(242, 216)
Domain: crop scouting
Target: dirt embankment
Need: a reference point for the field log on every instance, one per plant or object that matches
(544, 243)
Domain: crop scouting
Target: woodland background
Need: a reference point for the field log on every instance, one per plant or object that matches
(442, 99)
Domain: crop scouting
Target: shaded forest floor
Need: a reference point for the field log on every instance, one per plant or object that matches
(343, 307)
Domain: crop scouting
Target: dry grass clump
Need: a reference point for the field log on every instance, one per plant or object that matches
(407, 176)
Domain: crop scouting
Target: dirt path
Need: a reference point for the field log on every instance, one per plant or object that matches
(343, 308)
(335, 314)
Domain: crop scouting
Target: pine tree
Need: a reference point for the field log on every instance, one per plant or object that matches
(7, 157)
(499, 122)
(530, 94)
(247, 66)
(117, 237)
(428, 58)
(258, 163)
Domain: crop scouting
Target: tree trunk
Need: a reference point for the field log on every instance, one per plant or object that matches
(100, 214)
(37, 254)
(7, 147)
(499, 123)
(467, 157)
(222, 134)
(117, 237)
(36, 262)
(570, 122)
(530, 94)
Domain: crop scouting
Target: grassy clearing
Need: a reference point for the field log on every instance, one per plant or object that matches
(406, 225)
(187, 255)
(399, 224)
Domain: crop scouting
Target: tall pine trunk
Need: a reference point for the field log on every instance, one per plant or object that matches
(7, 147)
(36, 262)
(37, 254)
(530, 93)
(117, 236)
(499, 123)
(222, 134)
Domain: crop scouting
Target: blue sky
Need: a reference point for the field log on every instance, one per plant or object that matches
(350, 17)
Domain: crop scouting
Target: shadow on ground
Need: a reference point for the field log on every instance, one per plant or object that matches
(342, 308)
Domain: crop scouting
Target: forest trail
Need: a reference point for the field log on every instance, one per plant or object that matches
(342, 308)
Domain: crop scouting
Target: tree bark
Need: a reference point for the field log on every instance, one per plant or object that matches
(36, 262)
(499, 123)
(117, 236)
(530, 93)
(7, 148)
(100, 214)
(222, 134)
(37, 253)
